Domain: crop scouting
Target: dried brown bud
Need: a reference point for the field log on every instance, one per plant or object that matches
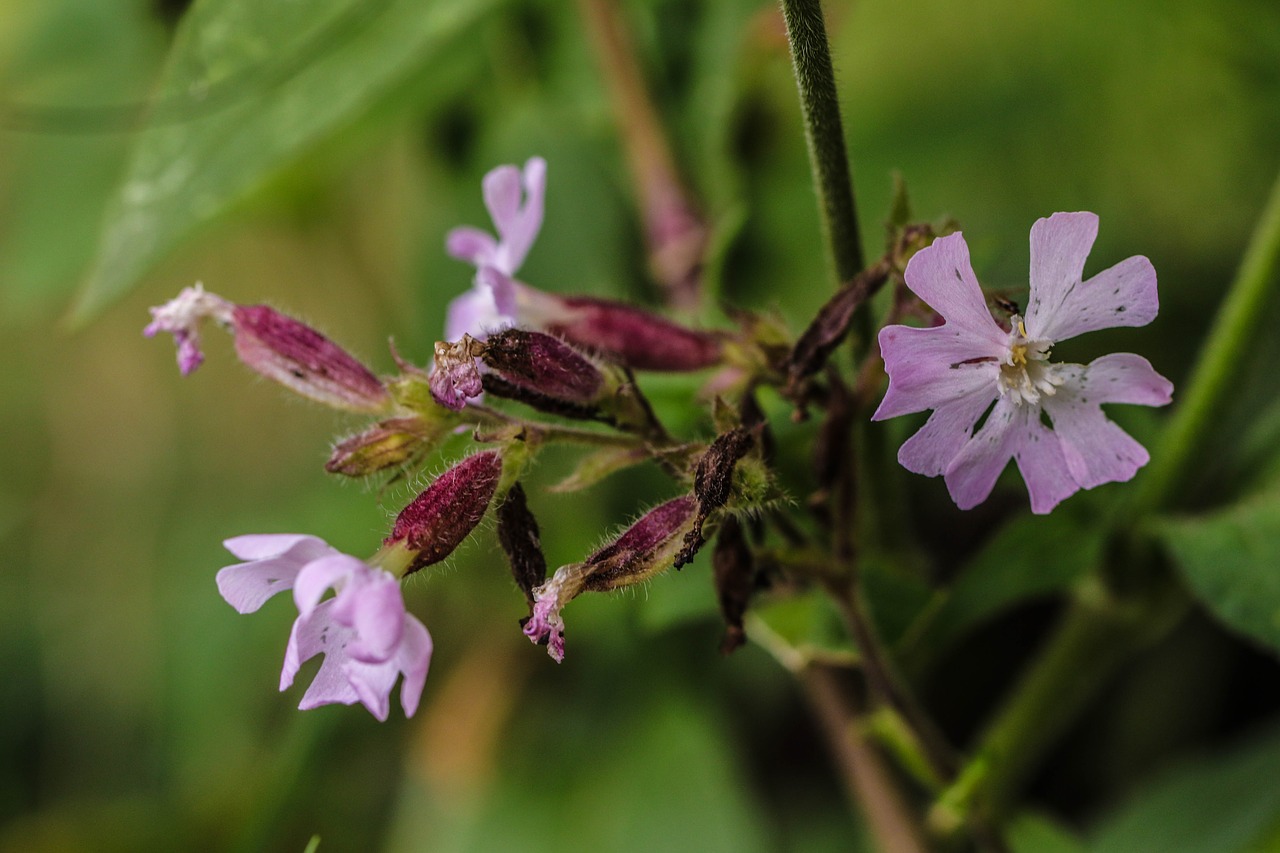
(831, 324)
(518, 534)
(735, 579)
(712, 482)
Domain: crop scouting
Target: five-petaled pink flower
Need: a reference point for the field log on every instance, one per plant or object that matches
(995, 394)
(363, 631)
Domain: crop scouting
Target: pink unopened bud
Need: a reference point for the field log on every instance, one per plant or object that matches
(634, 337)
(436, 521)
(305, 361)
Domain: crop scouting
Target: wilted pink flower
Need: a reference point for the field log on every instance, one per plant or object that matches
(994, 393)
(273, 344)
(366, 636)
(647, 547)
(182, 317)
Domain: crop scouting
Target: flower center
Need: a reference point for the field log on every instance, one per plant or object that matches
(1026, 374)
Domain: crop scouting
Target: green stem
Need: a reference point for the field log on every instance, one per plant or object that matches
(811, 58)
(1233, 332)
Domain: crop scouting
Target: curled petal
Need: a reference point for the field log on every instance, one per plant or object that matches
(274, 564)
(378, 618)
(471, 245)
(322, 574)
(942, 276)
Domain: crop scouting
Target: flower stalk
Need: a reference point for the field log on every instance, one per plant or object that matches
(815, 78)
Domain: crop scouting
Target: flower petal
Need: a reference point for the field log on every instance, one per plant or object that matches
(322, 574)
(274, 563)
(378, 617)
(472, 245)
(930, 367)
(1098, 451)
(1063, 306)
(942, 276)
(947, 431)
(414, 661)
(1125, 378)
(474, 313)
(372, 683)
(1043, 465)
(519, 232)
(502, 194)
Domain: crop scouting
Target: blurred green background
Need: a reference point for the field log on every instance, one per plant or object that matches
(313, 156)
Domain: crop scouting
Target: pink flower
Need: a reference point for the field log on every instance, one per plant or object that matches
(995, 394)
(515, 202)
(620, 332)
(363, 631)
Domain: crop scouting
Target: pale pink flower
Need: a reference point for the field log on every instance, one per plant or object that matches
(995, 394)
(367, 639)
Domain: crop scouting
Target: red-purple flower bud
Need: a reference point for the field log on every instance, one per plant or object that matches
(544, 365)
(634, 337)
(436, 521)
(305, 361)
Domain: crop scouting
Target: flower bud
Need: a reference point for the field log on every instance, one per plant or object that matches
(518, 534)
(436, 521)
(634, 337)
(387, 444)
(735, 578)
(305, 361)
(544, 365)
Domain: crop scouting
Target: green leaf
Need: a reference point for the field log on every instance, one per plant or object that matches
(1033, 833)
(250, 88)
(1031, 556)
(1230, 560)
(1224, 804)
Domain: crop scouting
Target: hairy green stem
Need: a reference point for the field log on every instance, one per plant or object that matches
(1233, 332)
(811, 58)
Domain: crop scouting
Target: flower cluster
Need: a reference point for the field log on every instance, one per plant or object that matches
(994, 392)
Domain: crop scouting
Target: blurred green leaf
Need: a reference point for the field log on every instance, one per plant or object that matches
(1224, 804)
(249, 89)
(1031, 556)
(1033, 833)
(1230, 560)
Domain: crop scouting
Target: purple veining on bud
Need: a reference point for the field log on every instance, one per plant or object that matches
(543, 364)
(632, 336)
(305, 361)
(436, 521)
(455, 377)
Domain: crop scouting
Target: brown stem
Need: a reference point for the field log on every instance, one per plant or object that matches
(871, 788)
(675, 232)
(886, 683)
